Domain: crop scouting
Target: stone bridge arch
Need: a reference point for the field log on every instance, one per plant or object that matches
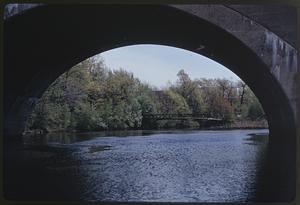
(43, 42)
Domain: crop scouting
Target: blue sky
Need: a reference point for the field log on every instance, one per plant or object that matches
(158, 65)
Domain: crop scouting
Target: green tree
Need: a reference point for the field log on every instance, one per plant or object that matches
(191, 92)
(255, 110)
(174, 103)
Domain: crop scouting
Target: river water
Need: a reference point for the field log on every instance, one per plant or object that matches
(163, 166)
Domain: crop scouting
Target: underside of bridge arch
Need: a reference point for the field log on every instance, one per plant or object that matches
(44, 42)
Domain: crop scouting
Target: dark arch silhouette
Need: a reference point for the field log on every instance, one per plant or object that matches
(45, 41)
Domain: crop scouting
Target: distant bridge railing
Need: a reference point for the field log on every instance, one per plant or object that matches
(204, 120)
(180, 116)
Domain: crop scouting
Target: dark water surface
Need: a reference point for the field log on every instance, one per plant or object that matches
(175, 166)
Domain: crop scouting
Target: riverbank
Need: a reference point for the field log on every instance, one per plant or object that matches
(243, 124)
(250, 124)
(238, 124)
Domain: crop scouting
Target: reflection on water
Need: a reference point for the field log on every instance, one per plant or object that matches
(68, 138)
(177, 166)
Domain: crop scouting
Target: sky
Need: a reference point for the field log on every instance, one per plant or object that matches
(158, 65)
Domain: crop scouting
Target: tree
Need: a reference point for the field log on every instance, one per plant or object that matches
(255, 110)
(191, 92)
(242, 89)
(172, 102)
(219, 107)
